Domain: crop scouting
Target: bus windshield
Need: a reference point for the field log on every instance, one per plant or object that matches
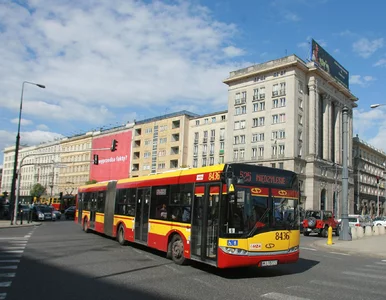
(253, 210)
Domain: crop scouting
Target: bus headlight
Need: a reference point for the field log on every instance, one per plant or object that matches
(293, 249)
(234, 251)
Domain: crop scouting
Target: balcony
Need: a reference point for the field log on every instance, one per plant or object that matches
(262, 96)
(221, 152)
(196, 141)
(204, 153)
(282, 92)
(255, 97)
(211, 153)
(222, 138)
(275, 93)
(205, 140)
(174, 150)
(138, 132)
(212, 138)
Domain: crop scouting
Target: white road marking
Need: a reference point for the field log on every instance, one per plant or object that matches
(27, 236)
(359, 274)
(3, 296)
(280, 296)
(135, 250)
(339, 253)
(9, 260)
(13, 248)
(149, 257)
(12, 238)
(5, 284)
(305, 248)
(358, 288)
(12, 251)
(8, 267)
(7, 274)
(380, 263)
(173, 269)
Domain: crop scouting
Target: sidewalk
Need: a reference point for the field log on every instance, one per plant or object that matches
(374, 246)
(7, 224)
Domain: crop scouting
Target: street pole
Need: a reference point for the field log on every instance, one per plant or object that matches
(345, 235)
(358, 189)
(14, 175)
(378, 198)
(335, 191)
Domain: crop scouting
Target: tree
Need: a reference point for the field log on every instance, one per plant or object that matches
(91, 181)
(37, 190)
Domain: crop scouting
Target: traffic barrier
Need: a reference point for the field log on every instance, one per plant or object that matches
(368, 231)
(381, 230)
(329, 236)
(354, 233)
(375, 230)
(360, 232)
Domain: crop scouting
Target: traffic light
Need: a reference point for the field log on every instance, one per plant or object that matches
(377, 179)
(114, 145)
(96, 159)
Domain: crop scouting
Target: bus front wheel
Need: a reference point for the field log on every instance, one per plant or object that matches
(177, 247)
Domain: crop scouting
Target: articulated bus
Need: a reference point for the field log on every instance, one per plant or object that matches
(228, 215)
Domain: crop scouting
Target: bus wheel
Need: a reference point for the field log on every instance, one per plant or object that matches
(121, 235)
(177, 247)
(85, 229)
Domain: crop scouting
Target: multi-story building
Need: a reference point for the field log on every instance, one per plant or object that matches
(207, 142)
(75, 159)
(370, 180)
(287, 113)
(160, 144)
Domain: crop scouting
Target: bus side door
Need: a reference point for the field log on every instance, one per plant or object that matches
(142, 215)
(205, 222)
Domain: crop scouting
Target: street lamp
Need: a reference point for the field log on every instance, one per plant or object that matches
(13, 186)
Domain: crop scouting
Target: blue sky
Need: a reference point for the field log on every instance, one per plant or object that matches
(106, 63)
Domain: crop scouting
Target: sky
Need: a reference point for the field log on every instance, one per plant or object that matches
(106, 63)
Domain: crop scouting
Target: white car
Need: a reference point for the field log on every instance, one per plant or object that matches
(380, 221)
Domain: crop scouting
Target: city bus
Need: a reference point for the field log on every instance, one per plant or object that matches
(228, 215)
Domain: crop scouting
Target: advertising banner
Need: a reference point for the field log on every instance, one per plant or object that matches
(329, 64)
(111, 165)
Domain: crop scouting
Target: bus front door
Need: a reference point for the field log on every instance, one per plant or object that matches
(93, 209)
(142, 215)
(204, 232)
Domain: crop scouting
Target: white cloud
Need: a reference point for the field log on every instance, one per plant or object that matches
(366, 48)
(362, 81)
(232, 51)
(42, 127)
(380, 63)
(22, 121)
(290, 16)
(38, 136)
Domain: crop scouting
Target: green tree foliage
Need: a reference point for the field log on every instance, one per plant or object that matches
(91, 181)
(37, 190)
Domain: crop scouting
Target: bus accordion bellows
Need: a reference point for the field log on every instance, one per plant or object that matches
(227, 215)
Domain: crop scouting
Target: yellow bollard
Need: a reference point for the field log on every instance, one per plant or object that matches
(329, 236)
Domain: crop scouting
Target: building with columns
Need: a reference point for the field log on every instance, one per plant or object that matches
(287, 113)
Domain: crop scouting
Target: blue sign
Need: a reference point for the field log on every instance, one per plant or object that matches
(232, 242)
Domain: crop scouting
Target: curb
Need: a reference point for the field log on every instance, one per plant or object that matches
(19, 226)
(336, 248)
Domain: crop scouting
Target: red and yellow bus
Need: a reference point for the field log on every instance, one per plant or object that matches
(228, 215)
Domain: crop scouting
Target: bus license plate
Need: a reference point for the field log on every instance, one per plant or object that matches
(267, 263)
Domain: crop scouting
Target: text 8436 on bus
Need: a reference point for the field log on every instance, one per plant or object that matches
(228, 215)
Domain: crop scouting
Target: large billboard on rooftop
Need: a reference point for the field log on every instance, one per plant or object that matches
(329, 64)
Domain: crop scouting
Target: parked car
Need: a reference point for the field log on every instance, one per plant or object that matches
(57, 213)
(318, 221)
(358, 221)
(43, 213)
(70, 212)
(380, 221)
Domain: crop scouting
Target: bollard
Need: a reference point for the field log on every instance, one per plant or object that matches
(329, 236)
(360, 232)
(354, 233)
(381, 230)
(375, 230)
(368, 231)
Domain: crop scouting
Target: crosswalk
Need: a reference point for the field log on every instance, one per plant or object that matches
(356, 282)
(11, 252)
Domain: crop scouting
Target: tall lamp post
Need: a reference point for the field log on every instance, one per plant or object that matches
(13, 186)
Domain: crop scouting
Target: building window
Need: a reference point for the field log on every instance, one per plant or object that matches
(197, 122)
(222, 145)
(282, 88)
(273, 165)
(281, 165)
(281, 149)
(223, 118)
(206, 121)
(195, 163)
(236, 140)
(242, 153)
(243, 109)
(257, 137)
(261, 151)
(274, 150)
(213, 119)
(300, 119)
(282, 102)
(242, 139)
(237, 99)
(254, 153)
(161, 166)
(204, 161)
(235, 154)
(301, 103)
(163, 140)
(275, 90)
(300, 87)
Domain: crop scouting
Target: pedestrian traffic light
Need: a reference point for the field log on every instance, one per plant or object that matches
(96, 159)
(114, 145)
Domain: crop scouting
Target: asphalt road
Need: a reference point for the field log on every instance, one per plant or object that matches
(57, 260)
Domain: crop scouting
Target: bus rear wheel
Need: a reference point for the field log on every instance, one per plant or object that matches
(121, 235)
(177, 247)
